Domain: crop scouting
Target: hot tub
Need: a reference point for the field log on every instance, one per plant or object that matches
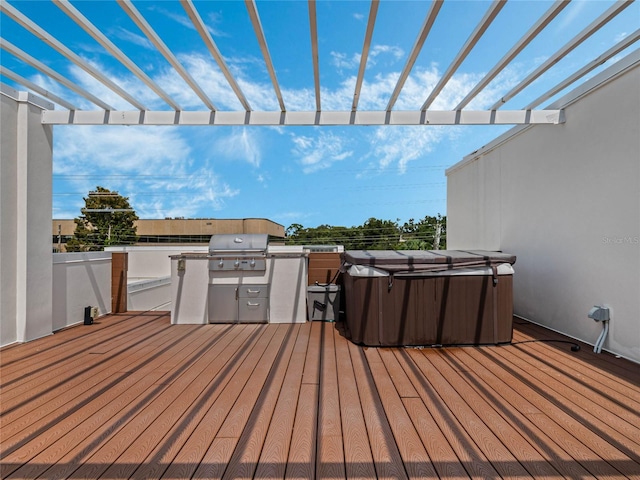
(416, 298)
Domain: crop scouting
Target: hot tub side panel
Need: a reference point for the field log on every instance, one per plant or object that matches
(447, 310)
(470, 310)
(362, 309)
(408, 308)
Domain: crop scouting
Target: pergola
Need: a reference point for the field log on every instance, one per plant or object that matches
(139, 114)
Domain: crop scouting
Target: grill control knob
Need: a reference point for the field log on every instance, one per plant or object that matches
(236, 263)
(252, 262)
(221, 263)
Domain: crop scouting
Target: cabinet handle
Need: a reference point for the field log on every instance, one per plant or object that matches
(252, 291)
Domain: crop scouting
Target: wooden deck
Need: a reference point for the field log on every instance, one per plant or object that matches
(135, 397)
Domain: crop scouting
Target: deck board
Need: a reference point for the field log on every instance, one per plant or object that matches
(135, 397)
(273, 457)
(497, 452)
(414, 456)
(330, 448)
(357, 451)
(560, 450)
(252, 429)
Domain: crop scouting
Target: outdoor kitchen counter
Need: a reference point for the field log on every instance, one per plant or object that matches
(286, 275)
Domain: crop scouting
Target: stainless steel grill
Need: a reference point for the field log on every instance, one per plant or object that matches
(238, 252)
(238, 284)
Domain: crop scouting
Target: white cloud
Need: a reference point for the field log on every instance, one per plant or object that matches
(134, 38)
(320, 151)
(403, 144)
(299, 98)
(395, 52)
(620, 36)
(358, 16)
(343, 61)
(242, 144)
(128, 82)
(211, 19)
(215, 18)
(178, 18)
(207, 75)
(153, 166)
(568, 17)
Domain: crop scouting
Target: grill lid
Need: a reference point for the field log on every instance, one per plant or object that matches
(240, 243)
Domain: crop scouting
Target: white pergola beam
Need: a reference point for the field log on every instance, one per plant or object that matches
(617, 48)
(592, 28)
(373, 11)
(487, 19)
(202, 29)
(29, 60)
(313, 29)
(26, 97)
(36, 88)
(533, 32)
(99, 37)
(54, 43)
(262, 42)
(154, 38)
(335, 118)
(436, 5)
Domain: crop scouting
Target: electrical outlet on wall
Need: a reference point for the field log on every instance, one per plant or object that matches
(94, 312)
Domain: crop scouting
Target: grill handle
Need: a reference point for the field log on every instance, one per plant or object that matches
(237, 254)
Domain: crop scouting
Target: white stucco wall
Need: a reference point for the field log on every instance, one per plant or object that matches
(25, 218)
(80, 280)
(566, 200)
(189, 291)
(288, 278)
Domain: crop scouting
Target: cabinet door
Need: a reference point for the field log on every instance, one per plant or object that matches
(223, 304)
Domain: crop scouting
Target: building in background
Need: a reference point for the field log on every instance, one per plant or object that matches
(178, 230)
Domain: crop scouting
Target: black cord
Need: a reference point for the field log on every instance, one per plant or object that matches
(574, 346)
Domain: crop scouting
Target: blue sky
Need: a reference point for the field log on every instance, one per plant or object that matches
(307, 175)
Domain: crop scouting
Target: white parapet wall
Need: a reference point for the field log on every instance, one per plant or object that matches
(149, 294)
(80, 280)
(566, 200)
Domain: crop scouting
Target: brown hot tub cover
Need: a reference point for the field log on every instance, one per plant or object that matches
(420, 260)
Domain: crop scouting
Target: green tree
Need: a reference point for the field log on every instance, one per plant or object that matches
(430, 233)
(107, 219)
(375, 234)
